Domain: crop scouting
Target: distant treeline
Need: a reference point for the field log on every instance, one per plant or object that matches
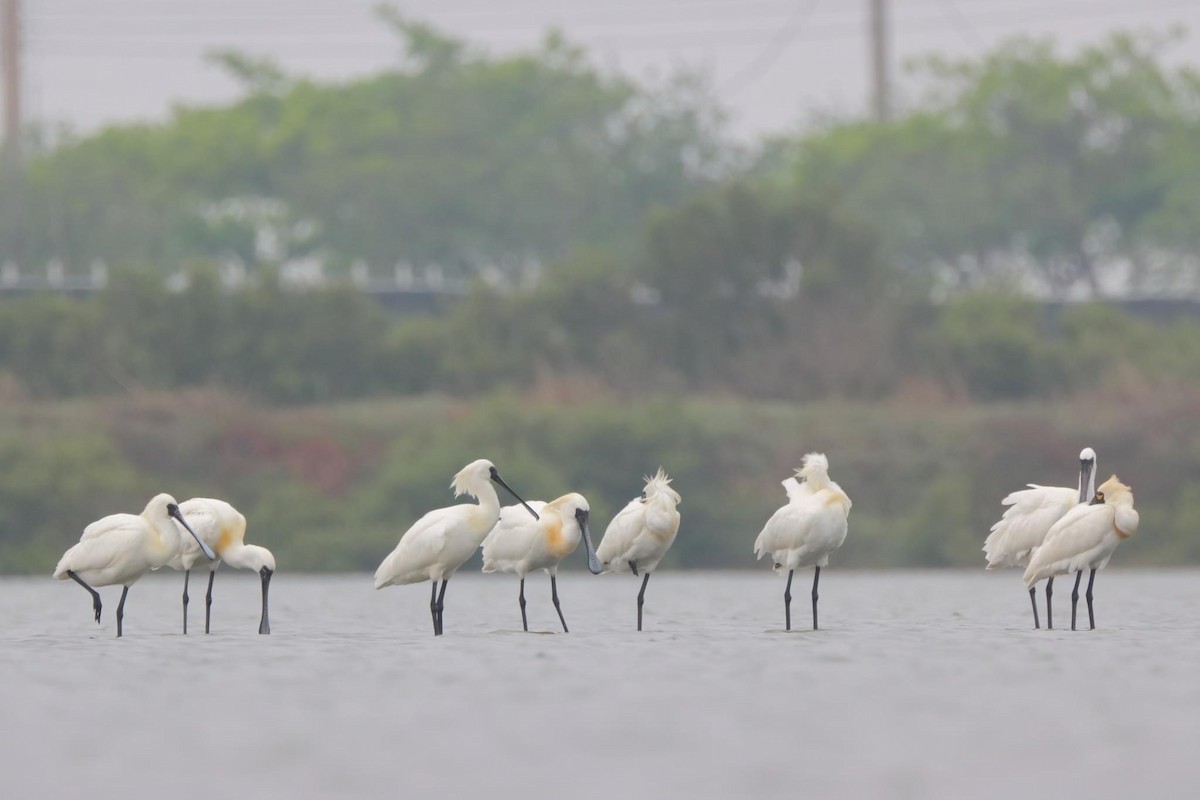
(731, 315)
(451, 158)
(1076, 175)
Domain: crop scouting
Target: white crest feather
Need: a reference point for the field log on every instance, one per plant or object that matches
(469, 478)
(660, 484)
(815, 471)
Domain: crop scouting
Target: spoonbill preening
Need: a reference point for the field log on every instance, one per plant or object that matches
(1085, 538)
(642, 532)
(805, 531)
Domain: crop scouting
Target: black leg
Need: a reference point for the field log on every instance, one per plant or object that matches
(1075, 597)
(1049, 594)
(557, 607)
(1088, 595)
(521, 600)
(264, 623)
(433, 607)
(95, 595)
(816, 577)
(441, 594)
(1033, 600)
(187, 575)
(208, 601)
(787, 602)
(633, 567)
(642, 597)
(121, 611)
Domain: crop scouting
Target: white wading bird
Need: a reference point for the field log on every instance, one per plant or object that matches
(1085, 538)
(520, 544)
(120, 548)
(223, 528)
(1031, 514)
(805, 531)
(642, 532)
(438, 543)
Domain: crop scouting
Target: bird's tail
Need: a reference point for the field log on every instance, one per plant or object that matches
(64, 564)
(384, 575)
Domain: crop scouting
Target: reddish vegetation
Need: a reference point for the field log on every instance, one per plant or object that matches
(321, 462)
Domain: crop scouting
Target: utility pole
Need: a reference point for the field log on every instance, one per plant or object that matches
(10, 64)
(881, 96)
(11, 211)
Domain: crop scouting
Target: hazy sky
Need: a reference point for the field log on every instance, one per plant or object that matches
(89, 62)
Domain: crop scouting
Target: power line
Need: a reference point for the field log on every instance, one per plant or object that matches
(964, 25)
(773, 49)
(775, 9)
(299, 37)
(755, 30)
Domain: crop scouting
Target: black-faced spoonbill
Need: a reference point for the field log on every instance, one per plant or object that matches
(438, 543)
(805, 531)
(642, 532)
(223, 528)
(1031, 514)
(1085, 538)
(121, 548)
(520, 544)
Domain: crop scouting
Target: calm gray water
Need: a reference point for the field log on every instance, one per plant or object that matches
(919, 685)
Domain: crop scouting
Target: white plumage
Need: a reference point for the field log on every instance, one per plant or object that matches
(805, 531)
(438, 543)
(813, 523)
(519, 544)
(1030, 515)
(1085, 538)
(223, 528)
(642, 532)
(121, 548)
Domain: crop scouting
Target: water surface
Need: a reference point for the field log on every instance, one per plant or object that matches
(920, 684)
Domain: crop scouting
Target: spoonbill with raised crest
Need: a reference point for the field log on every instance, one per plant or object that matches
(519, 544)
(642, 532)
(1085, 538)
(1031, 514)
(805, 531)
(438, 543)
(120, 548)
(223, 528)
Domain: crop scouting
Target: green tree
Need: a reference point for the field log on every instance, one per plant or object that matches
(750, 275)
(1023, 164)
(453, 158)
(992, 347)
